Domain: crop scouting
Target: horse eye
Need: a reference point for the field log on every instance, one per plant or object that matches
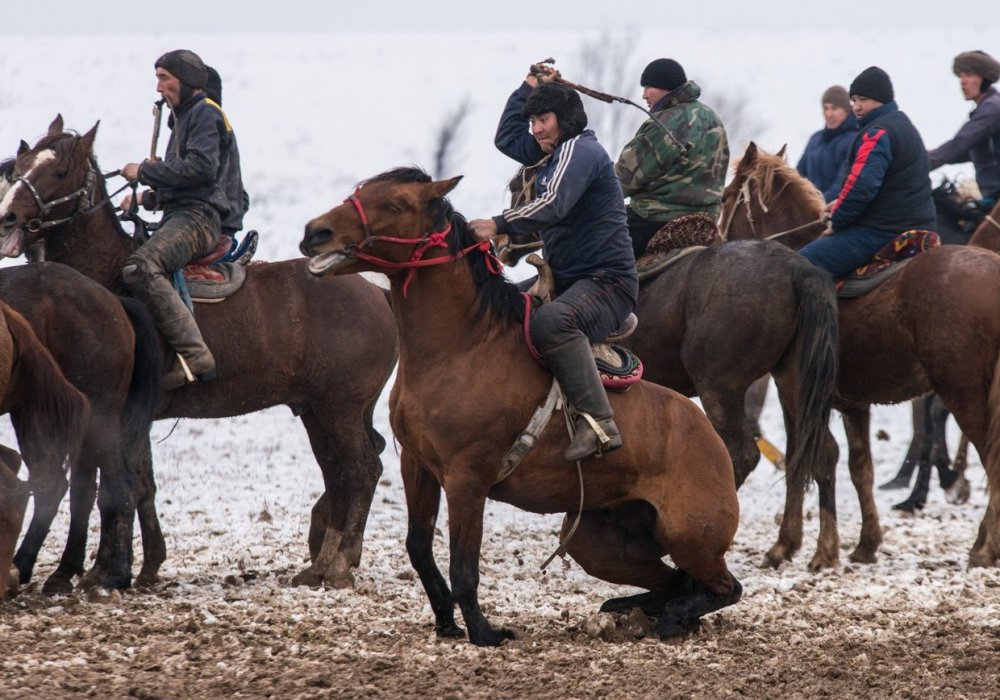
(62, 174)
(390, 207)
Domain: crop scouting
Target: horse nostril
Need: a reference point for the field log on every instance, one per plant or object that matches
(313, 238)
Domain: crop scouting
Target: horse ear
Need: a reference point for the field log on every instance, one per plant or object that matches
(751, 155)
(56, 127)
(442, 187)
(781, 153)
(23, 148)
(87, 140)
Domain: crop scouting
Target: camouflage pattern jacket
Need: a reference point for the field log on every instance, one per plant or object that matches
(664, 184)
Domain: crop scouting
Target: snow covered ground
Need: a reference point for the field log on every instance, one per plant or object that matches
(315, 114)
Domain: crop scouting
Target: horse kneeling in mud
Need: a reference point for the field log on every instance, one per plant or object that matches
(669, 490)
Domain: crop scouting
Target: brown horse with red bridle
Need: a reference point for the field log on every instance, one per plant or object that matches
(467, 385)
(934, 325)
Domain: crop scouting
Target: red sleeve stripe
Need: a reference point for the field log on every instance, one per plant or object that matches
(868, 143)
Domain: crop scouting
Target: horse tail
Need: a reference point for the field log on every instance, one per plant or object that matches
(144, 392)
(52, 417)
(818, 362)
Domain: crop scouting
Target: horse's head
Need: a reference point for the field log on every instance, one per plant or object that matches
(45, 186)
(382, 226)
(767, 198)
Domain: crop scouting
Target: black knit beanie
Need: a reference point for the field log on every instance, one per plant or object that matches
(664, 73)
(213, 86)
(186, 66)
(873, 83)
(561, 100)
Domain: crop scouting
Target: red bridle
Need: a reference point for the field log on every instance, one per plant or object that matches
(434, 239)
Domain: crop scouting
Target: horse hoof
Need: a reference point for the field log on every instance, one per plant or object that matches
(909, 506)
(820, 562)
(860, 556)
(307, 578)
(494, 637)
(450, 631)
(895, 484)
(959, 492)
(145, 581)
(774, 558)
(340, 581)
(672, 627)
(948, 477)
(57, 585)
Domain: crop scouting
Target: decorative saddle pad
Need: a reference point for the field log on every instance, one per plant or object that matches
(887, 262)
(619, 367)
(222, 272)
(675, 239)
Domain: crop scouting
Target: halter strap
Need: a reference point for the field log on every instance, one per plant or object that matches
(84, 196)
(434, 239)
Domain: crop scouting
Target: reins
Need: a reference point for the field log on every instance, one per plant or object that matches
(744, 198)
(83, 196)
(434, 239)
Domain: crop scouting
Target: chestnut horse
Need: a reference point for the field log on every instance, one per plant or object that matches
(50, 419)
(325, 348)
(108, 348)
(466, 387)
(934, 325)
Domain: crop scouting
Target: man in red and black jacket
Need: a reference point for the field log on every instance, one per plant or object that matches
(887, 189)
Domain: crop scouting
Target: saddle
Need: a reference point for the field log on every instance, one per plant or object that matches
(221, 273)
(886, 263)
(674, 240)
(619, 367)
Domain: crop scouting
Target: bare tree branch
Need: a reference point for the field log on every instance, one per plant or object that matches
(448, 138)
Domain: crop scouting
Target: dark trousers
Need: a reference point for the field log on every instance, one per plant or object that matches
(841, 252)
(641, 231)
(593, 307)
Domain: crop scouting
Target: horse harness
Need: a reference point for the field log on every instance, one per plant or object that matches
(83, 196)
(744, 198)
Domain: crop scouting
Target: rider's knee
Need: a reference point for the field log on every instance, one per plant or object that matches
(135, 273)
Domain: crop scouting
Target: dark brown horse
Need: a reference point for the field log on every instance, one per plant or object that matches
(467, 385)
(325, 348)
(50, 418)
(108, 348)
(934, 325)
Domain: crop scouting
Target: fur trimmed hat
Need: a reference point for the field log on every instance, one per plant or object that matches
(978, 62)
(837, 96)
(561, 100)
(873, 83)
(186, 66)
(663, 73)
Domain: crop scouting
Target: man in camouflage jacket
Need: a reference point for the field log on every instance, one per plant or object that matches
(676, 163)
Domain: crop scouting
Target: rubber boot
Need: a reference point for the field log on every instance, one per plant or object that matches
(573, 366)
(178, 326)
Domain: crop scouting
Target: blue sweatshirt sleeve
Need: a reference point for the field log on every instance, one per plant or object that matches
(513, 138)
(864, 179)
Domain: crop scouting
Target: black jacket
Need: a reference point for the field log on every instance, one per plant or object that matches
(201, 162)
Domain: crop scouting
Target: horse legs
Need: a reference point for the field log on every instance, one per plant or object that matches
(82, 494)
(154, 548)
(726, 413)
(466, 502)
(959, 492)
(924, 439)
(753, 406)
(423, 499)
(351, 470)
(47, 497)
(13, 502)
(913, 454)
(857, 420)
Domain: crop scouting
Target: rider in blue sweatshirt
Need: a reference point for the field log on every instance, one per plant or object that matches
(575, 204)
(887, 190)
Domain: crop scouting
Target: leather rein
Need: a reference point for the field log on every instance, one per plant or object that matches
(433, 239)
(83, 196)
(744, 198)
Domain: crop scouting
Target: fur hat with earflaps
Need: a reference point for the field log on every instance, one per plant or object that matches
(561, 100)
(979, 63)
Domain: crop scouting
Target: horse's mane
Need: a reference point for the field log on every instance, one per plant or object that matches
(7, 168)
(774, 175)
(499, 300)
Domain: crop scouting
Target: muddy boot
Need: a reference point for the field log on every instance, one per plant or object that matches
(573, 365)
(194, 361)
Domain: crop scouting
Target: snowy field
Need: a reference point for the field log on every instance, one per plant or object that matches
(314, 116)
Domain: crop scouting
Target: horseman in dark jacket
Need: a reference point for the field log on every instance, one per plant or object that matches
(577, 207)
(190, 185)
(979, 138)
(824, 162)
(888, 188)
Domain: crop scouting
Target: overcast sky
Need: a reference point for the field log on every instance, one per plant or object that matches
(265, 16)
